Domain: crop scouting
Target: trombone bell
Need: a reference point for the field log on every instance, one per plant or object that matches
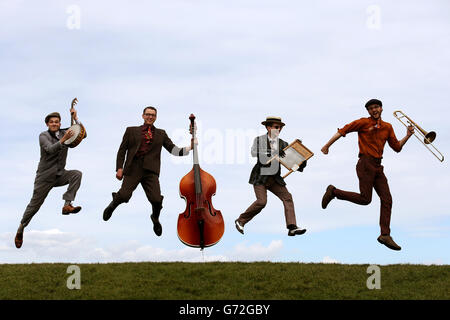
(428, 137)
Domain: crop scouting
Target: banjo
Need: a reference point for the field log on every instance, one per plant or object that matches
(77, 128)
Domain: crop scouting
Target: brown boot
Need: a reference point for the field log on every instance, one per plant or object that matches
(68, 209)
(328, 196)
(18, 240)
(388, 242)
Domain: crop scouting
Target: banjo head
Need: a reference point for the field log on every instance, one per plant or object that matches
(79, 134)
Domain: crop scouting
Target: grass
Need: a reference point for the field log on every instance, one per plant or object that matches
(223, 281)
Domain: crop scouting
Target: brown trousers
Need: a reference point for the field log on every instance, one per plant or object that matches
(261, 200)
(148, 179)
(371, 176)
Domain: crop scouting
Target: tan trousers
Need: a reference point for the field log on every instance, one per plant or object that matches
(261, 200)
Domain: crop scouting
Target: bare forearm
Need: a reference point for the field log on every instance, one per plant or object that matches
(403, 141)
(333, 139)
(409, 133)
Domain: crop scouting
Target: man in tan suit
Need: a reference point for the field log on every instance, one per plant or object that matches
(141, 151)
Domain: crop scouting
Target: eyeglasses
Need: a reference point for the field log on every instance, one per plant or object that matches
(150, 114)
(276, 127)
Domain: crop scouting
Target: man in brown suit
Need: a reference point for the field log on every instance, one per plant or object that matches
(141, 151)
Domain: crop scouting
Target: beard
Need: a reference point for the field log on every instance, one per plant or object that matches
(274, 133)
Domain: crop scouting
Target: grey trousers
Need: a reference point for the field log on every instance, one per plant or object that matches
(42, 188)
(261, 200)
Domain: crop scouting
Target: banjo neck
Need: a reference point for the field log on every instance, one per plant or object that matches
(72, 120)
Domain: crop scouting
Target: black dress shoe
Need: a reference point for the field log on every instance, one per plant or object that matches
(296, 232)
(239, 227)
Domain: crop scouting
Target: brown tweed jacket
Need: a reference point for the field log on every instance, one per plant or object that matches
(152, 160)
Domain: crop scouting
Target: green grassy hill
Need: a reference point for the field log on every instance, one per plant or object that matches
(224, 281)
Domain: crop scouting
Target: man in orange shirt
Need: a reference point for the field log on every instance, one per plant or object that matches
(372, 136)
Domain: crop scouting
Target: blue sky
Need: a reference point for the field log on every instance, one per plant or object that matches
(231, 64)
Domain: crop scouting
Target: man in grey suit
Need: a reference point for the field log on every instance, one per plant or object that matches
(51, 172)
(141, 151)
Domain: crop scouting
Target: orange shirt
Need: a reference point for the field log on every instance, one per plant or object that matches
(372, 136)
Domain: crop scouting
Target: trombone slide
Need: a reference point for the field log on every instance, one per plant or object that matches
(428, 137)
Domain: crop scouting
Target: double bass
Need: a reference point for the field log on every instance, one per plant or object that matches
(200, 225)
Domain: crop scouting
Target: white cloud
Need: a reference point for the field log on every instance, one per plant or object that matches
(45, 246)
(437, 262)
(56, 246)
(329, 260)
(257, 251)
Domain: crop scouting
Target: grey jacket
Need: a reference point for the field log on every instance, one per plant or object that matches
(53, 156)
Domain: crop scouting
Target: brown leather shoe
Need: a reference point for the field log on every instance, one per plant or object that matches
(18, 240)
(68, 209)
(388, 242)
(328, 196)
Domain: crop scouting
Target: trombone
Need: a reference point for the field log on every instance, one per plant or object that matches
(428, 137)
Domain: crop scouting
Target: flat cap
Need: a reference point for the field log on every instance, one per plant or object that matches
(52, 115)
(373, 101)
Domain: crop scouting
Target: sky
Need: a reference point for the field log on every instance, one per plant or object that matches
(232, 64)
